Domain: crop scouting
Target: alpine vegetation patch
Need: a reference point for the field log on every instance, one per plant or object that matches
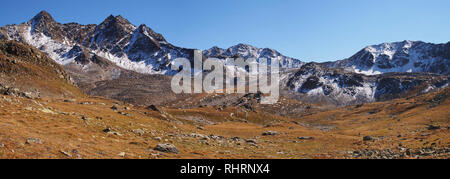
(212, 74)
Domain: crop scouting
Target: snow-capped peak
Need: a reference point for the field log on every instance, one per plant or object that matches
(405, 56)
(248, 51)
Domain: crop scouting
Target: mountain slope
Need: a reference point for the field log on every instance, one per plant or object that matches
(97, 76)
(317, 83)
(248, 51)
(134, 48)
(105, 60)
(32, 72)
(406, 56)
(142, 50)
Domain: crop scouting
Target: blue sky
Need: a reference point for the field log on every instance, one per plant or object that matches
(310, 30)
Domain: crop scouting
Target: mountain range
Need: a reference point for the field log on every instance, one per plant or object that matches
(103, 91)
(97, 55)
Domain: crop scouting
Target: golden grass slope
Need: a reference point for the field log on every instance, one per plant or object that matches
(62, 128)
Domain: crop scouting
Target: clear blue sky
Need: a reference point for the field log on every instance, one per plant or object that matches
(313, 30)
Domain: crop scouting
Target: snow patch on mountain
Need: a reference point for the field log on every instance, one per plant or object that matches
(317, 81)
(314, 80)
(54, 49)
(406, 56)
(247, 51)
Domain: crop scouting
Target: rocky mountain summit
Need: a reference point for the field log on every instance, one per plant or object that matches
(130, 47)
(247, 51)
(406, 56)
(143, 50)
(134, 48)
(376, 73)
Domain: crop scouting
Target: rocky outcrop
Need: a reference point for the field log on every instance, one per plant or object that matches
(34, 73)
(342, 87)
(166, 148)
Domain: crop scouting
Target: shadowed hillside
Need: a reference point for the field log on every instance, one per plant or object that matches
(27, 70)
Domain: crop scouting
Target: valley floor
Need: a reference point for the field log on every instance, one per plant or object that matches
(416, 127)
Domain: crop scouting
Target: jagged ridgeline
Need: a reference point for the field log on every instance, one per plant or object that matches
(317, 83)
(104, 59)
(131, 47)
(406, 56)
(141, 49)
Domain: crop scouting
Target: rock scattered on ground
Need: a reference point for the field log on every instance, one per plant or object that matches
(153, 108)
(166, 148)
(270, 133)
(66, 153)
(199, 136)
(368, 138)
(306, 138)
(139, 132)
(70, 100)
(400, 153)
(107, 130)
(110, 131)
(33, 141)
(433, 127)
(114, 108)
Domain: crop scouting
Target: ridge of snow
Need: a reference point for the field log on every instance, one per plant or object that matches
(414, 52)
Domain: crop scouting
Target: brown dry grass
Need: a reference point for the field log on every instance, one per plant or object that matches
(336, 131)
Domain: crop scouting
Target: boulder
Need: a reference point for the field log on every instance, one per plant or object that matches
(269, 133)
(368, 138)
(306, 138)
(432, 127)
(166, 148)
(153, 108)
